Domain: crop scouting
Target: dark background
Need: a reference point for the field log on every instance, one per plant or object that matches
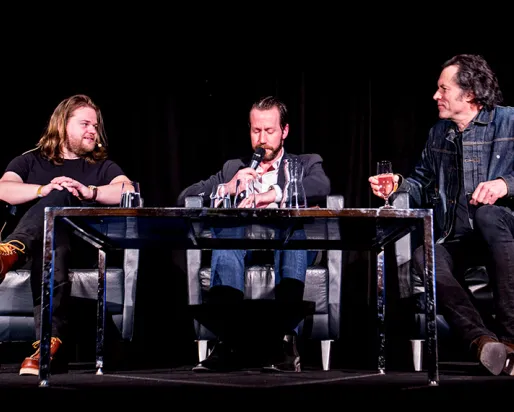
(175, 100)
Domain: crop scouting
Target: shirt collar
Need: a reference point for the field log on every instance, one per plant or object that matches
(275, 165)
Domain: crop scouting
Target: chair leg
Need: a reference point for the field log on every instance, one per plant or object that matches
(417, 354)
(325, 354)
(202, 349)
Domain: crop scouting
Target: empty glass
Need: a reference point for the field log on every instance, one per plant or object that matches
(131, 195)
(220, 197)
(293, 196)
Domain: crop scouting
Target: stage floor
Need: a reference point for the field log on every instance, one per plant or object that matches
(174, 385)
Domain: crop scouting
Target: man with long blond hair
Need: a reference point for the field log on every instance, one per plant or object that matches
(68, 167)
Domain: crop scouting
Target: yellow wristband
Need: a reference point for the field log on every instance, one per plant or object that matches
(39, 194)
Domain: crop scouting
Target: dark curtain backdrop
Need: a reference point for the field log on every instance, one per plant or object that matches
(170, 124)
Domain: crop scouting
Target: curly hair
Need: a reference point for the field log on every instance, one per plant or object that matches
(474, 75)
(54, 138)
(268, 103)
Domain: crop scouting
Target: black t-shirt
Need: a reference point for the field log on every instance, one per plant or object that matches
(462, 211)
(32, 168)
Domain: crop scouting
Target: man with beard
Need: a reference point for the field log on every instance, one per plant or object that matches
(68, 167)
(269, 128)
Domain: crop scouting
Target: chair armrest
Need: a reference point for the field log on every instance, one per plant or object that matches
(335, 202)
(194, 260)
(130, 268)
(335, 269)
(194, 201)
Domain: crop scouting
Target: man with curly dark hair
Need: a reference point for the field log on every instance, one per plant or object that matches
(68, 167)
(466, 173)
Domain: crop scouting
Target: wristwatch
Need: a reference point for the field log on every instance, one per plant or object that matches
(95, 192)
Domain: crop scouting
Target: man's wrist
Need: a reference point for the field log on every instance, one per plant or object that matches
(94, 192)
(278, 193)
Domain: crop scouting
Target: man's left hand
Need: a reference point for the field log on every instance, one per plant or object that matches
(489, 192)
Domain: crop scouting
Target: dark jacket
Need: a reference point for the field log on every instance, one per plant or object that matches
(487, 154)
(315, 181)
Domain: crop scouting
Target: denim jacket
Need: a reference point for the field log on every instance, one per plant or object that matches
(487, 154)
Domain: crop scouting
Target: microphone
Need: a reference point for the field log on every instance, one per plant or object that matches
(257, 157)
(256, 160)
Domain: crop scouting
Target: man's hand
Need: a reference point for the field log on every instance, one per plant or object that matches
(262, 200)
(74, 187)
(489, 192)
(376, 186)
(46, 189)
(243, 175)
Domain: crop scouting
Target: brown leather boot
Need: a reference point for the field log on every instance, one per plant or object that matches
(30, 366)
(508, 369)
(9, 255)
(490, 353)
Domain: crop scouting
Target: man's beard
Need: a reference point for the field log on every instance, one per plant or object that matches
(78, 149)
(274, 153)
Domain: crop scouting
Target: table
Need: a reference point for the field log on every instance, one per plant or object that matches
(111, 228)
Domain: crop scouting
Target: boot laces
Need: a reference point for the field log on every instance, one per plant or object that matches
(36, 345)
(8, 248)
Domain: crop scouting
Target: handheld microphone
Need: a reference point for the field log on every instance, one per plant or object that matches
(256, 160)
(257, 157)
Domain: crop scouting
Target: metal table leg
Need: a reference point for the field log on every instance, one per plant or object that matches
(381, 296)
(101, 308)
(430, 302)
(46, 297)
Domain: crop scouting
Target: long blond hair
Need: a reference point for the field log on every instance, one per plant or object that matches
(53, 140)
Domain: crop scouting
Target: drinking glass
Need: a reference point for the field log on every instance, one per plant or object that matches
(245, 194)
(220, 197)
(385, 179)
(130, 194)
(293, 194)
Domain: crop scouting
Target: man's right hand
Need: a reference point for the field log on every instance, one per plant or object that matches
(46, 189)
(376, 186)
(244, 175)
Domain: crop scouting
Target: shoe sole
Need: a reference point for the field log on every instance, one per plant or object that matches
(493, 357)
(204, 369)
(274, 369)
(29, 371)
(201, 369)
(508, 369)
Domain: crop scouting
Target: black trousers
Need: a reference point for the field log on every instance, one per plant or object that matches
(30, 230)
(492, 245)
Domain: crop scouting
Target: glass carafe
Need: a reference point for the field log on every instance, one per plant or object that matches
(293, 196)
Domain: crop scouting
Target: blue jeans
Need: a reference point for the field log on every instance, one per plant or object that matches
(228, 266)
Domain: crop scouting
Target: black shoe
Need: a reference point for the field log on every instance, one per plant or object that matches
(289, 358)
(223, 358)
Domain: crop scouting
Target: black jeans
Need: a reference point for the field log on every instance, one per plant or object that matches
(491, 245)
(29, 230)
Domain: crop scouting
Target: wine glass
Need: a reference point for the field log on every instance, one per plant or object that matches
(385, 179)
